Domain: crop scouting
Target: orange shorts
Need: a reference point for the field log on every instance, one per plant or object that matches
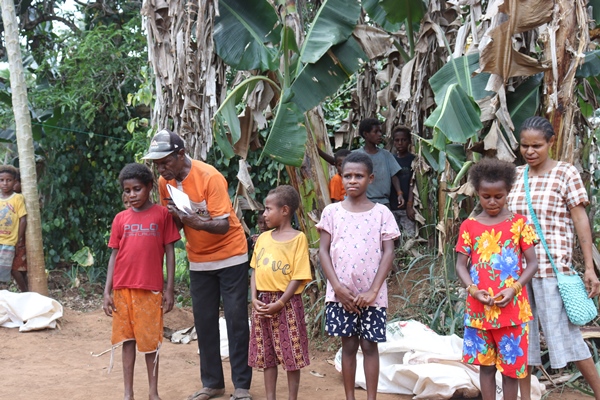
(138, 316)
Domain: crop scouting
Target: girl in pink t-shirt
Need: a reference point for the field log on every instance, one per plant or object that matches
(356, 252)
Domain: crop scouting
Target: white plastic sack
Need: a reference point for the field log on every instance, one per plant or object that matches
(28, 311)
(416, 360)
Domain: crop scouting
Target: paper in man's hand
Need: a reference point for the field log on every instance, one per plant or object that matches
(181, 200)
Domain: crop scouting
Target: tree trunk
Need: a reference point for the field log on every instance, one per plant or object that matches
(189, 75)
(35, 250)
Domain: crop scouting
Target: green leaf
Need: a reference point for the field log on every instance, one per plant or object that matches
(378, 14)
(525, 100)
(317, 81)
(456, 156)
(83, 257)
(287, 139)
(220, 133)
(459, 70)
(232, 121)
(398, 11)
(456, 118)
(595, 10)
(332, 25)
(244, 32)
(590, 65)
(431, 154)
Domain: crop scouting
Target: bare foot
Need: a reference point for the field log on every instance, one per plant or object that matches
(128, 397)
(153, 397)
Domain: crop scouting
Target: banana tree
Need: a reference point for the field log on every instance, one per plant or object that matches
(295, 72)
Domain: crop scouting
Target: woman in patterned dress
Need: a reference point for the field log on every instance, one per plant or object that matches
(558, 198)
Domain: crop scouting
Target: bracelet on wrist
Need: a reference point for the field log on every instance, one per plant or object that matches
(282, 303)
(517, 288)
(472, 288)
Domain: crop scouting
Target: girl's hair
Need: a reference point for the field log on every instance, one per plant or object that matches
(492, 170)
(400, 129)
(358, 157)
(285, 195)
(539, 124)
(367, 124)
(9, 169)
(136, 171)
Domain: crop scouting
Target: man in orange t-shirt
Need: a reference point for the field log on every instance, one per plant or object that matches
(218, 257)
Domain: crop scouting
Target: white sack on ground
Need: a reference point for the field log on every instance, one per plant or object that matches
(28, 311)
(416, 360)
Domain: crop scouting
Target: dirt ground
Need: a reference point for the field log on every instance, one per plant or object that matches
(58, 364)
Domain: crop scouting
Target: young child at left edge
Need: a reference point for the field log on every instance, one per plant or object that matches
(140, 237)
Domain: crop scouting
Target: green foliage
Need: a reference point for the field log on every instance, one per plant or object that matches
(83, 145)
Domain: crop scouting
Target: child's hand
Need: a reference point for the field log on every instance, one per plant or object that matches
(258, 305)
(483, 297)
(503, 298)
(364, 299)
(346, 297)
(168, 301)
(269, 310)
(108, 305)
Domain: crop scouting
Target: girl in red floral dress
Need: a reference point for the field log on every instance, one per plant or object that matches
(490, 248)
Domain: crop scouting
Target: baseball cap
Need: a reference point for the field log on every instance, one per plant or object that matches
(163, 143)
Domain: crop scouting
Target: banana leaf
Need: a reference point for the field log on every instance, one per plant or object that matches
(332, 25)
(455, 119)
(379, 15)
(317, 81)
(590, 65)
(524, 101)
(459, 70)
(287, 140)
(399, 11)
(243, 32)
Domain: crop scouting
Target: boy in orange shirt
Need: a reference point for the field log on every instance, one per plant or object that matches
(336, 188)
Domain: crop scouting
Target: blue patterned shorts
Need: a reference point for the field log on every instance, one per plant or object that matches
(369, 324)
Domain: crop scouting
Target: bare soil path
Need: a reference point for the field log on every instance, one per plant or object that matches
(58, 364)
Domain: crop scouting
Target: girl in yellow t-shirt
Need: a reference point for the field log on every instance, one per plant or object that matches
(281, 269)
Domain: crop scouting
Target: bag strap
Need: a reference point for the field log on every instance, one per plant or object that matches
(535, 220)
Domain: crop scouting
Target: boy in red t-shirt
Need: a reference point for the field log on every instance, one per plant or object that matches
(140, 237)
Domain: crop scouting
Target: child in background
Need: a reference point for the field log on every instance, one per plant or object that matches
(405, 215)
(262, 227)
(280, 271)
(385, 166)
(490, 249)
(13, 221)
(125, 199)
(140, 237)
(19, 265)
(336, 188)
(356, 252)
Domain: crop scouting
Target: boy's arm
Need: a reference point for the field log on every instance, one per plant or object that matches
(168, 296)
(108, 304)
(396, 184)
(410, 210)
(344, 295)
(327, 157)
(463, 274)
(22, 229)
(385, 265)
